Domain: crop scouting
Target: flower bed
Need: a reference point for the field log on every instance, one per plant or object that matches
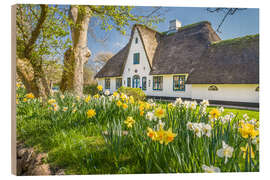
(116, 134)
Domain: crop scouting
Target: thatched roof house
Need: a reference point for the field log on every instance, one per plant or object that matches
(193, 50)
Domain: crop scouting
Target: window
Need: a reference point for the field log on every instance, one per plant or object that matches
(136, 58)
(118, 82)
(257, 89)
(107, 83)
(157, 83)
(144, 81)
(136, 40)
(128, 82)
(179, 83)
(212, 88)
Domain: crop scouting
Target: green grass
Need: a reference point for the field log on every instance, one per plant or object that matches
(240, 112)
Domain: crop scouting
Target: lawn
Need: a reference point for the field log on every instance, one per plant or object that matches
(119, 135)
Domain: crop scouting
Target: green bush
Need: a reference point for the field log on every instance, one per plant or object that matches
(137, 93)
(90, 89)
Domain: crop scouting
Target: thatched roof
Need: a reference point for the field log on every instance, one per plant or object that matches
(195, 49)
(177, 53)
(234, 61)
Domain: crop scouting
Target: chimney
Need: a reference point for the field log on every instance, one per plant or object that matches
(174, 25)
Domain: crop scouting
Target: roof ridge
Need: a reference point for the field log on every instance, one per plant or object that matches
(235, 40)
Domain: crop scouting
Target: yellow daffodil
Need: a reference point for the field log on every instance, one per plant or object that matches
(141, 108)
(159, 112)
(87, 99)
(51, 101)
(119, 103)
(141, 113)
(96, 96)
(30, 96)
(161, 135)
(125, 106)
(131, 100)
(115, 94)
(169, 136)
(91, 113)
(99, 87)
(170, 105)
(152, 134)
(129, 122)
(246, 150)
(248, 130)
(24, 100)
(214, 113)
(123, 97)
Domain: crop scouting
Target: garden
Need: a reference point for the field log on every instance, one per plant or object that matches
(123, 134)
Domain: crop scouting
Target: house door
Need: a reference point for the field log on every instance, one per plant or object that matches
(136, 81)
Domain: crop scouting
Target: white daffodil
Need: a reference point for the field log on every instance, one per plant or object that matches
(178, 101)
(190, 126)
(193, 105)
(226, 151)
(221, 109)
(160, 124)
(245, 116)
(150, 116)
(107, 92)
(210, 169)
(197, 128)
(207, 129)
(205, 103)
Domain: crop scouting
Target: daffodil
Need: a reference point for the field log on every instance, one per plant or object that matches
(169, 136)
(51, 101)
(159, 112)
(248, 130)
(107, 92)
(226, 151)
(141, 113)
(129, 122)
(246, 150)
(62, 96)
(87, 99)
(65, 108)
(150, 116)
(131, 100)
(152, 134)
(99, 87)
(96, 96)
(30, 96)
(170, 105)
(214, 113)
(210, 169)
(119, 103)
(125, 106)
(24, 99)
(91, 113)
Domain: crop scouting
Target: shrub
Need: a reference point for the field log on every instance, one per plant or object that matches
(137, 93)
(90, 89)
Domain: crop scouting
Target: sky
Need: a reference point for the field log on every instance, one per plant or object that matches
(242, 23)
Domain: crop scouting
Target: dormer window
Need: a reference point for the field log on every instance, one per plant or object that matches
(136, 58)
(136, 40)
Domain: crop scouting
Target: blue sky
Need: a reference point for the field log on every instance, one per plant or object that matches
(242, 23)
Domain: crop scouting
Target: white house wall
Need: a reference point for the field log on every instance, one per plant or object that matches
(227, 92)
(143, 68)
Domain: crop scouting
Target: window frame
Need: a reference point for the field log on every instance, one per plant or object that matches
(144, 80)
(180, 77)
(159, 81)
(136, 58)
(136, 40)
(129, 82)
(109, 81)
(118, 82)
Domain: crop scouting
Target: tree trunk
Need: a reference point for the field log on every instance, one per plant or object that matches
(78, 55)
